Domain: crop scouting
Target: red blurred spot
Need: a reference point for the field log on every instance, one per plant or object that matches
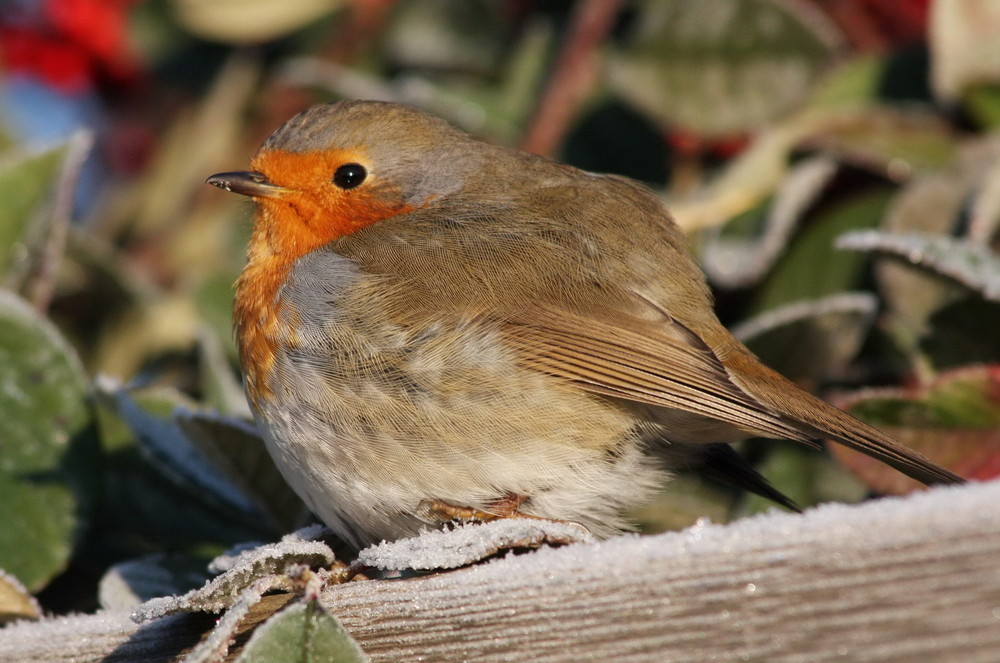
(70, 43)
(62, 65)
(686, 143)
(98, 27)
(903, 21)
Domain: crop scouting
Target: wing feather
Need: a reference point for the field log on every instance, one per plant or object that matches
(652, 368)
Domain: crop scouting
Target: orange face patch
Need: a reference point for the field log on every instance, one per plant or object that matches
(310, 213)
(313, 211)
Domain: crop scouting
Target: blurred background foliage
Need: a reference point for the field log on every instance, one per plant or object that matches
(836, 163)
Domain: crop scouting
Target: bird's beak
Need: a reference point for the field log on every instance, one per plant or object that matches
(245, 183)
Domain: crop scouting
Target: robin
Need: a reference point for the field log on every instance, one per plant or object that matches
(430, 327)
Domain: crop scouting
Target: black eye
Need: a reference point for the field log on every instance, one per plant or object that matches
(350, 175)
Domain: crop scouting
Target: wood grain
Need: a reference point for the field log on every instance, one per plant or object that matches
(909, 580)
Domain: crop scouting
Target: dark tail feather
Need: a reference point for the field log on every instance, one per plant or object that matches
(721, 463)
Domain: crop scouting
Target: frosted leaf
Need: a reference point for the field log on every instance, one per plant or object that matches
(734, 262)
(973, 265)
(234, 555)
(470, 543)
(164, 443)
(246, 568)
(236, 450)
(811, 339)
(720, 67)
(128, 584)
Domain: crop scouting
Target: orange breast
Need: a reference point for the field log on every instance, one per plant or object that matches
(257, 320)
(309, 214)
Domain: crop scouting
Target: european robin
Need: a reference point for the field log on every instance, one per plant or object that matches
(429, 325)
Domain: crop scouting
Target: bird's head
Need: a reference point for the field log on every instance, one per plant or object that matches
(336, 168)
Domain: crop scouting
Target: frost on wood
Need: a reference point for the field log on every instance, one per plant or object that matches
(467, 544)
(913, 579)
(881, 582)
(973, 265)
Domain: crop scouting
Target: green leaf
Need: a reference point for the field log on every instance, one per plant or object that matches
(164, 442)
(46, 445)
(25, 180)
(302, 632)
(955, 335)
(722, 66)
(983, 103)
(236, 449)
(966, 397)
(937, 203)
(448, 35)
(149, 502)
(737, 257)
(852, 83)
(954, 421)
(812, 268)
(891, 141)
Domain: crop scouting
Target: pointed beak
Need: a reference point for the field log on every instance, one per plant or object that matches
(245, 183)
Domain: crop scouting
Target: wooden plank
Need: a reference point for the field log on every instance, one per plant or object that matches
(912, 580)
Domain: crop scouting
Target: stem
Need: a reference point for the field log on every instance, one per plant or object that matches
(572, 77)
(40, 285)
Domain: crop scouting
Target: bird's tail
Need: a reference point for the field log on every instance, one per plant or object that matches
(819, 419)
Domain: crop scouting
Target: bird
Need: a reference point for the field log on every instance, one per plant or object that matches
(434, 327)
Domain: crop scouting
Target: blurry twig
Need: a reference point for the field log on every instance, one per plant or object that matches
(572, 76)
(860, 27)
(364, 23)
(40, 283)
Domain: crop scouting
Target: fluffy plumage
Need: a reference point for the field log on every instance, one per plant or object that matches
(473, 322)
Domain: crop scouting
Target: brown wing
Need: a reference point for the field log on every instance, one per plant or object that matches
(662, 369)
(652, 367)
(589, 280)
